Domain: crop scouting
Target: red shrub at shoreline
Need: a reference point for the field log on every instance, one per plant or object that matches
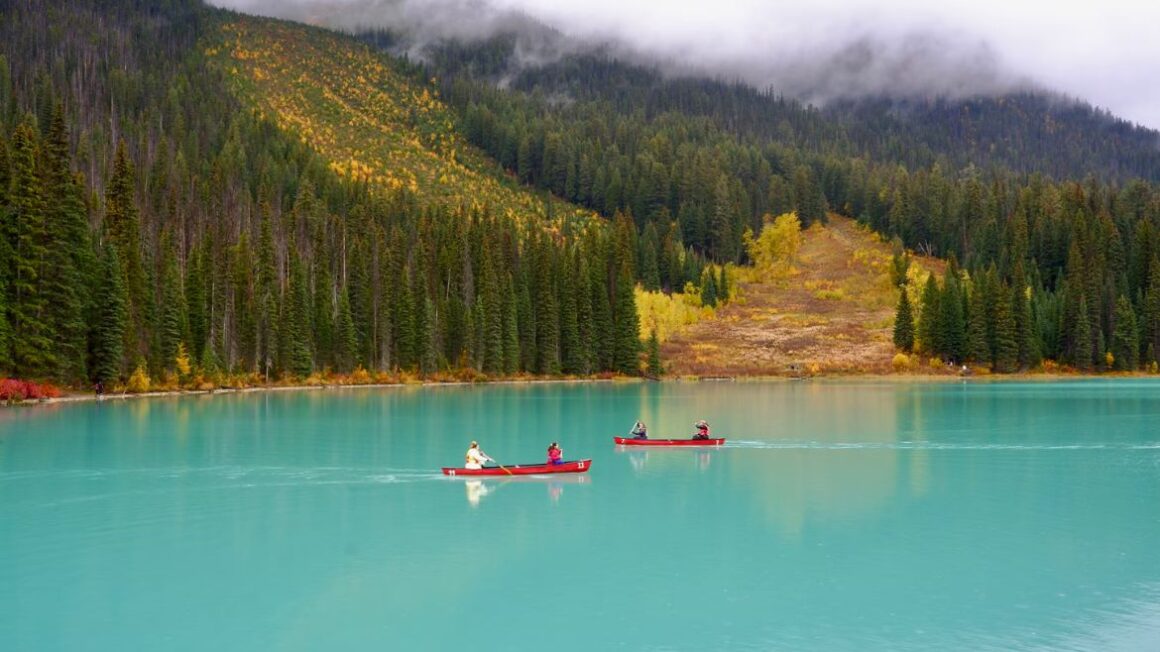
(13, 389)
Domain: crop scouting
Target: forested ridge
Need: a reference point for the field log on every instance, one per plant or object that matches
(157, 228)
(1048, 208)
(177, 206)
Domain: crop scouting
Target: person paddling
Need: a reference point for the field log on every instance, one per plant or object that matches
(475, 457)
(702, 429)
(555, 455)
(639, 431)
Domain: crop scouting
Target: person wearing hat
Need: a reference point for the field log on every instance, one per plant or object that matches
(475, 457)
(555, 455)
(702, 429)
(639, 431)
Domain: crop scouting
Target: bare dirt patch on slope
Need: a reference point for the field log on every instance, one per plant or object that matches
(835, 314)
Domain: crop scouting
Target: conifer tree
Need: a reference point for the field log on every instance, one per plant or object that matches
(107, 337)
(709, 288)
(269, 329)
(1006, 347)
(67, 274)
(904, 323)
(172, 311)
(650, 272)
(511, 332)
(810, 199)
(1082, 356)
(626, 338)
(723, 286)
(268, 293)
(953, 322)
(323, 300)
(122, 225)
(473, 329)
(5, 331)
(361, 298)
(721, 225)
(429, 339)
(929, 323)
(492, 316)
(1150, 318)
(655, 368)
(197, 270)
(345, 336)
(547, 315)
(526, 318)
(1024, 322)
(6, 229)
(1125, 338)
(32, 344)
(571, 352)
(978, 348)
(675, 281)
(295, 327)
(424, 353)
(602, 323)
(584, 317)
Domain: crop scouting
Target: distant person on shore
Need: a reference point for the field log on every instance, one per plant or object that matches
(555, 455)
(639, 431)
(99, 389)
(475, 458)
(702, 429)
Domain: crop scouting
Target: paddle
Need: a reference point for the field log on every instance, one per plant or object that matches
(505, 469)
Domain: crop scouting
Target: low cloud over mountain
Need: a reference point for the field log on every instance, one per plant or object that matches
(819, 50)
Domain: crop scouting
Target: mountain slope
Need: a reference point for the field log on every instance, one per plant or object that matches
(372, 122)
(1024, 132)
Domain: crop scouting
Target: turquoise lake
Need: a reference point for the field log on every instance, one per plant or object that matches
(839, 516)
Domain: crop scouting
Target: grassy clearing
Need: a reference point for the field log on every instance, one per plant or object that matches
(832, 313)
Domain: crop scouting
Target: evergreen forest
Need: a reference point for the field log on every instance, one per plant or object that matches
(158, 222)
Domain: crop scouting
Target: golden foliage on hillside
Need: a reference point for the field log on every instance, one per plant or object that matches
(774, 251)
(373, 124)
(668, 313)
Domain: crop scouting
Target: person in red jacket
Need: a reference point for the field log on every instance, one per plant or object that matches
(555, 455)
(702, 429)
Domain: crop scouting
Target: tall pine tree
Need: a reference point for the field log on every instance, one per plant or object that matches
(626, 337)
(68, 273)
(1125, 338)
(904, 323)
(122, 227)
(32, 345)
(112, 315)
(1006, 347)
(929, 324)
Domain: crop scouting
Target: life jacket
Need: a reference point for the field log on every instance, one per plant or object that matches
(555, 454)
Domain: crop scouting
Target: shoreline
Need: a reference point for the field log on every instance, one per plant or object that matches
(123, 396)
(823, 378)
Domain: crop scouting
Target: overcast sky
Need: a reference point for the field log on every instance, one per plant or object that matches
(1106, 52)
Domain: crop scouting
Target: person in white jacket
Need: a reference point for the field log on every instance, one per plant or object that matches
(475, 457)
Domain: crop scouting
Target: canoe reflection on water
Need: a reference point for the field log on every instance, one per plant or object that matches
(639, 459)
(477, 489)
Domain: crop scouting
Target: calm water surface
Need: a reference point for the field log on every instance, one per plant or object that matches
(840, 516)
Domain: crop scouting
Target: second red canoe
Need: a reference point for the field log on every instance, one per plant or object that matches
(629, 441)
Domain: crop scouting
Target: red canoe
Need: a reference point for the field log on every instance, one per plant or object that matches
(575, 466)
(629, 441)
